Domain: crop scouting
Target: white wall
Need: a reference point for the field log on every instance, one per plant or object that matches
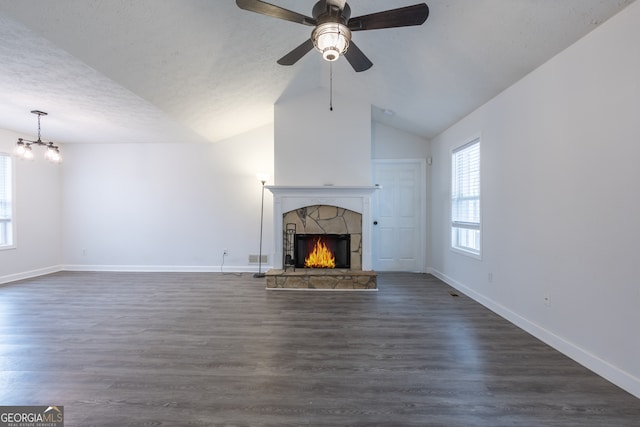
(391, 143)
(37, 198)
(166, 206)
(560, 203)
(315, 146)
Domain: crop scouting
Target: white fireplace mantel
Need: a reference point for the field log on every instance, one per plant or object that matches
(355, 198)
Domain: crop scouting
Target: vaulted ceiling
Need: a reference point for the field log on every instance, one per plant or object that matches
(202, 70)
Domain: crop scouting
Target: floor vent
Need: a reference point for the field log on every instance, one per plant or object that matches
(253, 259)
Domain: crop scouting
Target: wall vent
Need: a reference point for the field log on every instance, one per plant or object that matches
(253, 259)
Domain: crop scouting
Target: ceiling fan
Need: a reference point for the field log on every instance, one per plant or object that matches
(333, 26)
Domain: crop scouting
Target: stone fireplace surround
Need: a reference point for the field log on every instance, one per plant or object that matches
(288, 200)
(327, 219)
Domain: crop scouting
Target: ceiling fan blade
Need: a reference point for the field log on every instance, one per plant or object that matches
(357, 59)
(274, 11)
(297, 53)
(401, 17)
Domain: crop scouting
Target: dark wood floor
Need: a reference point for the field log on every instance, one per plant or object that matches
(141, 349)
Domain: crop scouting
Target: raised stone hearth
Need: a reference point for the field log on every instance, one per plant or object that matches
(322, 279)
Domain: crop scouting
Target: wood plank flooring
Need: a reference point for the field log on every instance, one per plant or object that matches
(194, 349)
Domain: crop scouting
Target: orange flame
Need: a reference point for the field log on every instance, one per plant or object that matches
(320, 257)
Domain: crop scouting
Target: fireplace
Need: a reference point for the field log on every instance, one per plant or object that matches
(303, 214)
(322, 251)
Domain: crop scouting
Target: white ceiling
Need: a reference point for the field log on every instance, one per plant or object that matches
(202, 70)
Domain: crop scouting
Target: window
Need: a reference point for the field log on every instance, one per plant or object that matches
(465, 198)
(6, 205)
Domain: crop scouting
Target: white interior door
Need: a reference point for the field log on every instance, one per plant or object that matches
(399, 218)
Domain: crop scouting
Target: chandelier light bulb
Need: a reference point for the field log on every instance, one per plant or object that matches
(20, 149)
(28, 153)
(50, 153)
(56, 157)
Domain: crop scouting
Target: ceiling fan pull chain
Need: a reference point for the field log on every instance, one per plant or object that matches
(330, 86)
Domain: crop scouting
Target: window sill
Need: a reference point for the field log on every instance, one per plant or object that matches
(476, 255)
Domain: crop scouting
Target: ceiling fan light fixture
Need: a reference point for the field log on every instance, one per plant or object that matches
(331, 39)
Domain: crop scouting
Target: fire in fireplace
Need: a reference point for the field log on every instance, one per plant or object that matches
(322, 251)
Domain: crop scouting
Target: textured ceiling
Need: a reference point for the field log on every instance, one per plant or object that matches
(202, 70)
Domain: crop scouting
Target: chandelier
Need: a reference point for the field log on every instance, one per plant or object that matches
(24, 150)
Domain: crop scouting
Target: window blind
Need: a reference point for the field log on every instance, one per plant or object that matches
(465, 196)
(6, 207)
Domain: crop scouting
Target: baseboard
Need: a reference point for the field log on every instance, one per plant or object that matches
(318, 290)
(164, 268)
(590, 361)
(29, 274)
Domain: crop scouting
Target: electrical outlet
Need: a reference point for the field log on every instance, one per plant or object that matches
(547, 300)
(490, 277)
(225, 251)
